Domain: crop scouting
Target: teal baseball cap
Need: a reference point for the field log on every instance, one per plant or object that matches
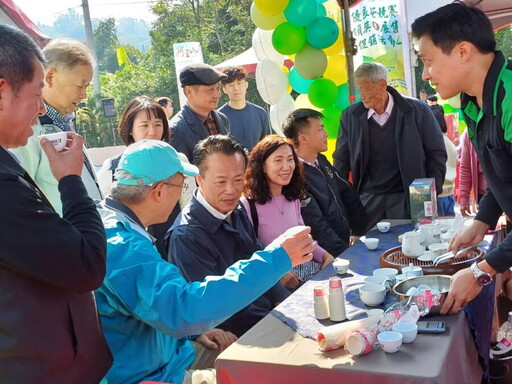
(151, 161)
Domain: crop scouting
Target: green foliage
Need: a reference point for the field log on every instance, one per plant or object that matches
(105, 39)
(504, 41)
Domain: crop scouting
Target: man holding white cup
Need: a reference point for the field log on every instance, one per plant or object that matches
(67, 74)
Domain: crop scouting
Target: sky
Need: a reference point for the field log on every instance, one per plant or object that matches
(45, 12)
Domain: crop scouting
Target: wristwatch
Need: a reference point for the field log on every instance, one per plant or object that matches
(481, 277)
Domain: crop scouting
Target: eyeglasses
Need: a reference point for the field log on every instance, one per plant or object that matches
(184, 187)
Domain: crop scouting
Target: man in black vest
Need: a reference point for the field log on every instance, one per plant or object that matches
(386, 141)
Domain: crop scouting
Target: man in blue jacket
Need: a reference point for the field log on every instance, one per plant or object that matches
(147, 308)
(214, 230)
(198, 118)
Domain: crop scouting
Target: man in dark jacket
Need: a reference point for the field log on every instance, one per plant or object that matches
(198, 118)
(332, 208)
(214, 230)
(386, 141)
(49, 328)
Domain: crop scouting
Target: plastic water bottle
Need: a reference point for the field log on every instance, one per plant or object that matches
(505, 335)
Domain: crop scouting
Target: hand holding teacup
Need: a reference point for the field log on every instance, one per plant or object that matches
(64, 162)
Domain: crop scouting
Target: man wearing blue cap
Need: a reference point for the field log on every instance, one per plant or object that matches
(198, 118)
(147, 308)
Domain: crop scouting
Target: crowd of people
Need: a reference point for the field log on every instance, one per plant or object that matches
(207, 220)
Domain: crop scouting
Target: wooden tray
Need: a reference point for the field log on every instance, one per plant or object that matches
(394, 258)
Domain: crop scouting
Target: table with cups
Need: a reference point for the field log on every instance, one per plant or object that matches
(281, 348)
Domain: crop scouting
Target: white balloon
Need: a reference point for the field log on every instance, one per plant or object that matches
(262, 44)
(271, 81)
(280, 111)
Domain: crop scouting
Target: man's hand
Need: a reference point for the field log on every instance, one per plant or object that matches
(68, 161)
(463, 289)
(470, 235)
(217, 339)
(353, 240)
(298, 244)
(465, 210)
(290, 280)
(327, 259)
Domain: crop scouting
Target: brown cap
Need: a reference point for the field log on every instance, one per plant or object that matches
(200, 74)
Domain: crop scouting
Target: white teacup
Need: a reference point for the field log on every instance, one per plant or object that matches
(58, 139)
(341, 266)
(378, 279)
(383, 226)
(371, 243)
(372, 294)
(390, 273)
(390, 341)
(412, 244)
(408, 331)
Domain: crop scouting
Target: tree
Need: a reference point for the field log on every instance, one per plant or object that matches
(105, 38)
(504, 41)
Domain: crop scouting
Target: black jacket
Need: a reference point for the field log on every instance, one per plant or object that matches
(49, 266)
(419, 142)
(187, 130)
(332, 207)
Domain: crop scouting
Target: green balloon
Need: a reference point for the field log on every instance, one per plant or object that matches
(323, 93)
(310, 62)
(288, 39)
(343, 100)
(331, 121)
(322, 33)
(300, 12)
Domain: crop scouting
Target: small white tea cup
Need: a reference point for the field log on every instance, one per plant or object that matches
(372, 294)
(383, 226)
(371, 243)
(390, 341)
(58, 139)
(341, 266)
(408, 331)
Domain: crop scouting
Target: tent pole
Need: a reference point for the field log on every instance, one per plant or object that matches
(350, 47)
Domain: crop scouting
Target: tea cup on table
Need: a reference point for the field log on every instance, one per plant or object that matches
(383, 226)
(390, 341)
(412, 244)
(390, 273)
(378, 279)
(409, 331)
(371, 243)
(341, 266)
(372, 294)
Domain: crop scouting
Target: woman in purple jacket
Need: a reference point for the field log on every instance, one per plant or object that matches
(273, 187)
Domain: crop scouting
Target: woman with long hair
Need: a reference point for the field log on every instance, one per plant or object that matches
(273, 188)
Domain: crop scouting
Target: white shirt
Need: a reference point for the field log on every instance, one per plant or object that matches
(200, 198)
(382, 119)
